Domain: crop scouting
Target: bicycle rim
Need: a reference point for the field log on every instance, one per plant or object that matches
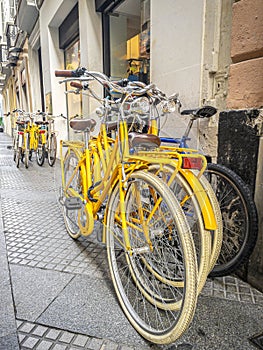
(71, 215)
(172, 255)
(40, 153)
(26, 159)
(52, 150)
(217, 235)
(189, 204)
(18, 156)
(239, 215)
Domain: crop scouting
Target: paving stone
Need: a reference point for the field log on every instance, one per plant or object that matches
(26, 327)
(30, 342)
(9, 342)
(80, 340)
(95, 344)
(66, 337)
(60, 347)
(44, 345)
(53, 334)
(34, 289)
(39, 330)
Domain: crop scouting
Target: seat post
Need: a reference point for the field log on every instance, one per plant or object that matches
(86, 138)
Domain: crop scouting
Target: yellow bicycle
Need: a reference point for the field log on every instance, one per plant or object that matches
(150, 247)
(196, 196)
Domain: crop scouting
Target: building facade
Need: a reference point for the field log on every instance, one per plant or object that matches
(209, 51)
(173, 44)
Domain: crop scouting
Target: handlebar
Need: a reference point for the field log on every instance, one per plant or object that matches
(76, 85)
(70, 73)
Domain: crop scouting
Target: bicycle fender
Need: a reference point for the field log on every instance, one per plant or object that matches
(88, 226)
(202, 198)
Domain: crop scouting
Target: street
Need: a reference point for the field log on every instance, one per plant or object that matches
(56, 293)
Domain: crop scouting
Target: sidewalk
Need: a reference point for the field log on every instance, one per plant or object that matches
(56, 293)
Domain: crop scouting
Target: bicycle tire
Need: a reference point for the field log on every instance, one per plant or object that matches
(52, 150)
(240, 221)
(40, 152)
(15, 145)
(217, 235)
(18, 156)
(139, 307)
(26, 152)
(71, 216)
(189, 204)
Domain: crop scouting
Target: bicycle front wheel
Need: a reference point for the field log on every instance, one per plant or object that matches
(52, 150)
(41, 149)
(239, 215)
(155, 272)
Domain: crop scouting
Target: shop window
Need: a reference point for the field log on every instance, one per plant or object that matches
(129, 28)
(72, 61)
(70, 44)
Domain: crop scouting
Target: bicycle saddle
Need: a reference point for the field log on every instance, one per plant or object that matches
(83, 124)
(143, 140)
(23, 122)
(202, 112)
(38, 122)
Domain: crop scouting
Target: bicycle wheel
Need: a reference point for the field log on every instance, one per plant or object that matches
(26, 152)
(52, 150)
(41, 150)
(239, 214)
(15, 146)
(71, 215)
(18, 156)
(216, 235)
(189, 204)
(169, 248)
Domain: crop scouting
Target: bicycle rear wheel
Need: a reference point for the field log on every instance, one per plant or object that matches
(158, 309)
(191, 209)
(18, 156)
(71, 215)
(41, 150)
(27, 150)
(239, 214)
(52, 150)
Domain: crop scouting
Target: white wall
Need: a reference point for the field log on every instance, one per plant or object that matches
(176, 53)
(90, 51)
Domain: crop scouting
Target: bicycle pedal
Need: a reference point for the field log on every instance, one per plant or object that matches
(73, 203)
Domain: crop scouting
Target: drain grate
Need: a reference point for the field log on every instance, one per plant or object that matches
(257, 340)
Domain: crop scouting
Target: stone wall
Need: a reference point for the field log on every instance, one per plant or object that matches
(240, 137)
(246, 71)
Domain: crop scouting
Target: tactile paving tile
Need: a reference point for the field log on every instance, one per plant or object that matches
(232, 288)
(33, 239)
(40, 337)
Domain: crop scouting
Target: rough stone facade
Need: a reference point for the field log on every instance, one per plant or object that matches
(246, 70)
(240, 137)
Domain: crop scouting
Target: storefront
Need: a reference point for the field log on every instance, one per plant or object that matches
(126, 38)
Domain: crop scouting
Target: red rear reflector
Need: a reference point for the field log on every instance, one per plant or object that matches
(20, 132)
(192, 163)
(42, 131)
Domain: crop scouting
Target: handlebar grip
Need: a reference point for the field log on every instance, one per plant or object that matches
(76, 85)
(121, 83)
(64, 73)
(71, 73)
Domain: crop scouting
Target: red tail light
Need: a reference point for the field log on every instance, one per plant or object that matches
(42, 131)
(192, 163)
(20, 132)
